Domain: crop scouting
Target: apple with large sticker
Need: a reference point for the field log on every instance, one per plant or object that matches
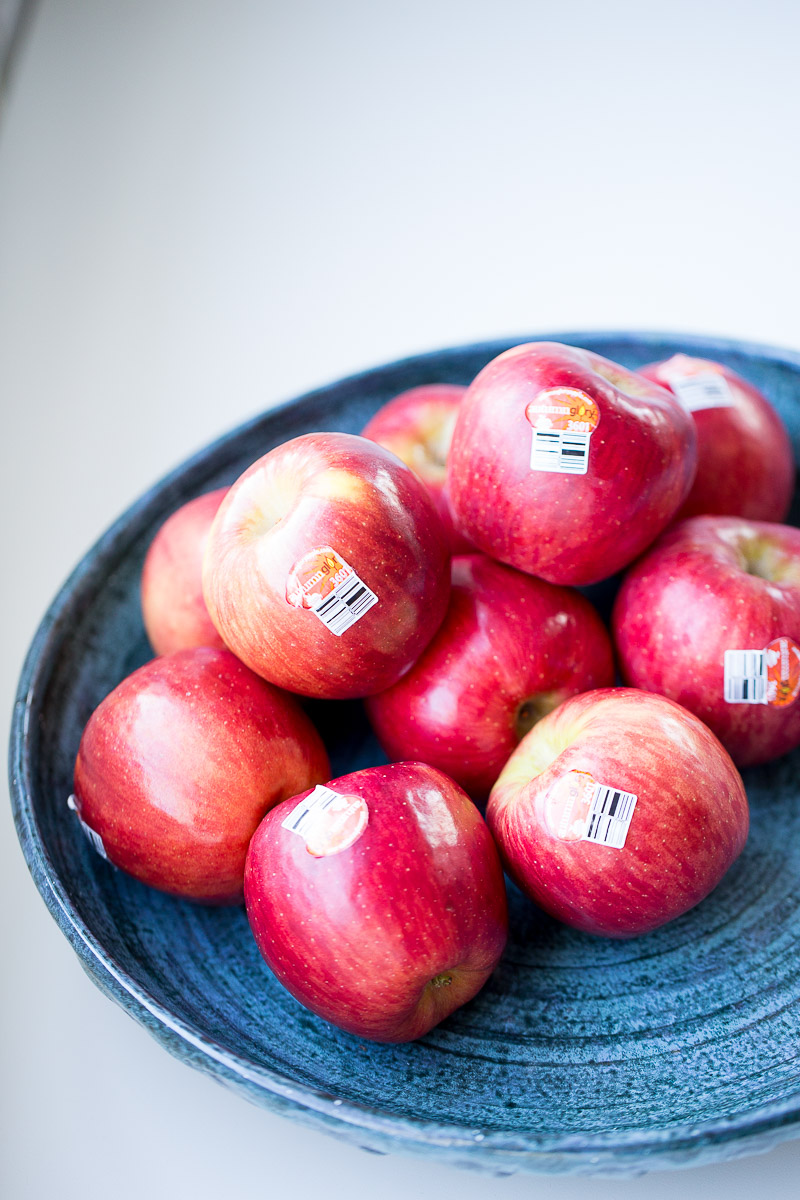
(327, 568)
(378, 900)
(179, 763)
(566, 465)
(745, 463)
(417, 425)
(173, 608)
(510, 649)
(618, 812)
(710, 617)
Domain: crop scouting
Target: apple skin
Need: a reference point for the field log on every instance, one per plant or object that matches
(174, 611)
(179, 763)
(689, 825)
(417, 426)
(389, 936)
(745, 463)
(708, 585)
(509, 650)
(570, 529)
(327, 490)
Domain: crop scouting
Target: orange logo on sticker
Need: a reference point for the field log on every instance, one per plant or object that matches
(563, 408)
(682, 366)
(783, 672)
(337, 826)
(567, 805)
(314, 576)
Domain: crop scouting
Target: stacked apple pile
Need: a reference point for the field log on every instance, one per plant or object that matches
(430, 567)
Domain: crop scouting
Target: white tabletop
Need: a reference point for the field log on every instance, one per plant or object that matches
(209, 207)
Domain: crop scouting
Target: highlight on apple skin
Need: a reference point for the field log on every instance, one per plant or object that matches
(510, 649)
(179, 763)
(327, 568)
(745, 462)
(417, 425)
(710, 617)
(566, 465)
(618, 812)
(381, 910)
(173, 608)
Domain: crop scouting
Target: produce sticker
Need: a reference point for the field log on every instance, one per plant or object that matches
(327, 585)
(578, 808)
(696, 384)
(769, 676)
(94, 838)
(563, 421)
(328, 821)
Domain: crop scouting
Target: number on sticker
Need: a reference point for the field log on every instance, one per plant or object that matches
(746, 676)
(345, 605)
(609, 816)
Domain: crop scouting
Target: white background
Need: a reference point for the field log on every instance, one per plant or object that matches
(209, 207)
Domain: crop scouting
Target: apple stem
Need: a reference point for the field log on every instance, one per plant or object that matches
(533, 709)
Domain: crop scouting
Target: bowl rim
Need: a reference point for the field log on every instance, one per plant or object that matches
(367, 1125)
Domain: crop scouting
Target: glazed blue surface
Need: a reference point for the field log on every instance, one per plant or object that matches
(581, 1054)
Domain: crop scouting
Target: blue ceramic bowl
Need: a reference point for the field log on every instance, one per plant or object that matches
(580, 1054)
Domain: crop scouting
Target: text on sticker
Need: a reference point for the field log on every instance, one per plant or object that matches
(577, 808)
(768, 676)
(327, 585)
(563, 420)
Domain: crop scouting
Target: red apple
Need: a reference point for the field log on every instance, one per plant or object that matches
(379, 901)
(327, 568)
(618, 812)
(745, 464)
(510, 649)
(178, 765)
(174, 611)
(418, 427)
(713, 587)
(565, 465)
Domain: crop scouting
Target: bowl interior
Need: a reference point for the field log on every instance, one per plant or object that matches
(579, 1052)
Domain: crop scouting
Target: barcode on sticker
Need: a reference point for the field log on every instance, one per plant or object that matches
(560, 450)
(327, 821)
(609, 816)
(746, 676)
(708, 390)
(345, 605)
(94, 838)
(302, 817)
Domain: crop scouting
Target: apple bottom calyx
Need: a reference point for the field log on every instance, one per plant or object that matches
(440, 996)
(426, 1008)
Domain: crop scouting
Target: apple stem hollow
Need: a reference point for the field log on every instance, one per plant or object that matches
(531, 711)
